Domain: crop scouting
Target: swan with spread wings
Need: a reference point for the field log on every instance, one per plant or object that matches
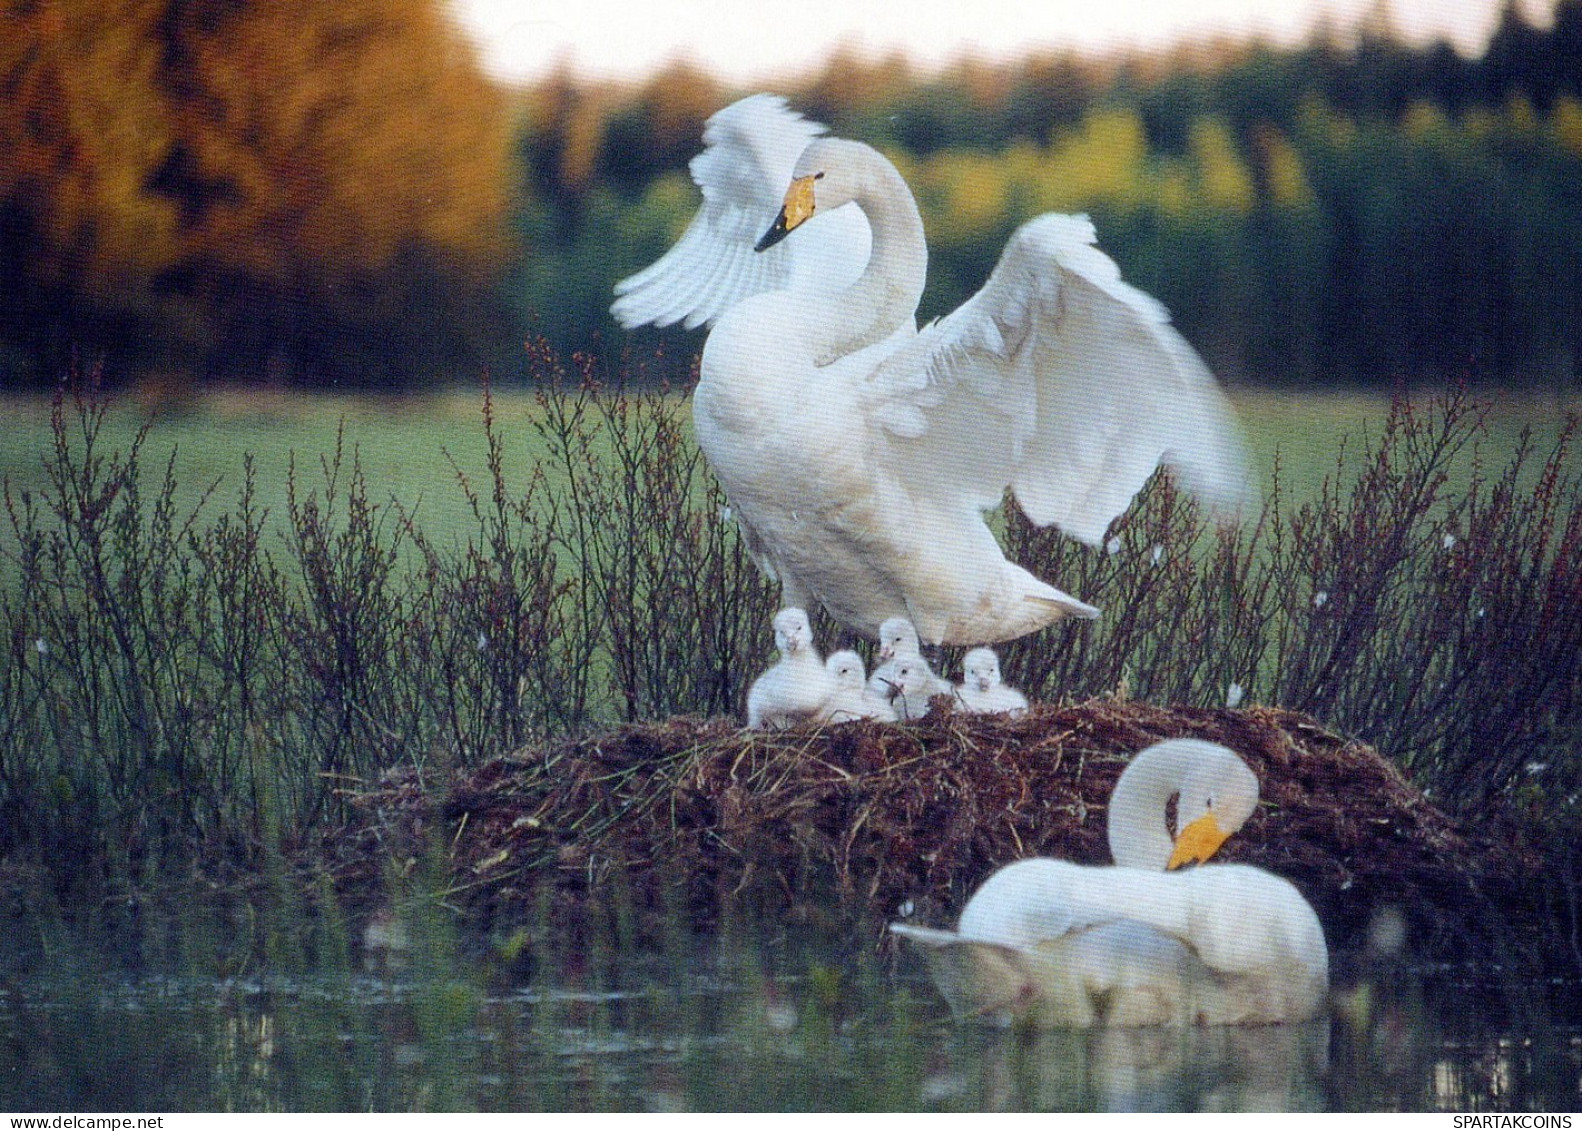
(860, 452)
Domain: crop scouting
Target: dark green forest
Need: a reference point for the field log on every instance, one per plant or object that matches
(316, 194)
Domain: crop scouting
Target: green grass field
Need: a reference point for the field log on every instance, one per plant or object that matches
(406, 444)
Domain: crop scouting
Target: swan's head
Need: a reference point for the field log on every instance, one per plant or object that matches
(981, 669)
(1215, 793)
(1218, 794)
(793, 633)
(827, 175)
(847, 669)
(897, 637)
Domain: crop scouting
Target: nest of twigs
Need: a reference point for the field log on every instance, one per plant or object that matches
(848, 825)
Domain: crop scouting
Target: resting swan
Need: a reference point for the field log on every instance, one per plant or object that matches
(1069, 945)
(861, 453)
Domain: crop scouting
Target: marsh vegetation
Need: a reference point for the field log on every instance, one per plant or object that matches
(191, 671)
(220, 665)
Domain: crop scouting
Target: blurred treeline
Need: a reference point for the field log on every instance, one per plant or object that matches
(310, 191)
(307, 190)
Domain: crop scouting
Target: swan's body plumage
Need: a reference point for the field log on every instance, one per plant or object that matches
(851, 698)
(1134, 944)
(796, 688)
(982, 691)
(859, 452)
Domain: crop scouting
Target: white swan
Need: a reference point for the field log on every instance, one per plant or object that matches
(1134, 944)
(981, 691)
(796, 688)
(851, 698)
(859, 453)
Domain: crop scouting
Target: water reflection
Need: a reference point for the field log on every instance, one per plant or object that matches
(1268, 1068)
(720, 1034)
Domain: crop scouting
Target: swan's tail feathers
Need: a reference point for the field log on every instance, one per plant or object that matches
(976, 979)
(1066, 604)
(1051, 603)
(1021, 603)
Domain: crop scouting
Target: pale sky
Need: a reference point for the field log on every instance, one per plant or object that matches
(745, 40)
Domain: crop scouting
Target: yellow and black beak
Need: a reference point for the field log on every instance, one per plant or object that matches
(798, 207)
(1197, 842)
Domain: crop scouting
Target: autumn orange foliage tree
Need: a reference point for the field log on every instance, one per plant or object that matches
(298, 188)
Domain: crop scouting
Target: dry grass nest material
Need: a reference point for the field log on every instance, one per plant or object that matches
(846, 825)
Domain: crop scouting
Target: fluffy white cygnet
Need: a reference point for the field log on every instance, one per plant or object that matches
(914, 683)
(797, 687)
(852, 699)
(897, 641)
(981, 690)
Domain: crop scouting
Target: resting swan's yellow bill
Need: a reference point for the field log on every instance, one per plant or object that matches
(860, 452)
(1197, 842)
(1063, 944)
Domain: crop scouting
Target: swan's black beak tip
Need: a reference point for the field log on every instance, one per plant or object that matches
(777, 232)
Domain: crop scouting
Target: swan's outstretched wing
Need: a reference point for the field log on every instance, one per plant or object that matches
(1062, 382)
(750, 152)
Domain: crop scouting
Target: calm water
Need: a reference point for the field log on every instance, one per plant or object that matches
(739, 1031)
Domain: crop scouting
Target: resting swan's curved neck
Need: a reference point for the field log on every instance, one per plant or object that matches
(887, 292)
(1138, 834)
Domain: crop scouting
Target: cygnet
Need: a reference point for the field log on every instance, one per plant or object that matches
(797, 687)
(913, 684)
(981, 690)
(852, 699)
(897, 641)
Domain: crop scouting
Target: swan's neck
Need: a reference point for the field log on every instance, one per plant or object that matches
(887, 292)
(1138, 834)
